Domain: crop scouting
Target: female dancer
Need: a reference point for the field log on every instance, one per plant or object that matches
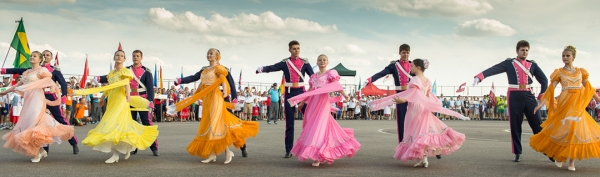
(117, 132)
(36, 128)
(219, 128)
(569, 132)
(425, 135)
(322, 139)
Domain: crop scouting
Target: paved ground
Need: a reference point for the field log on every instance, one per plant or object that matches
(485, 153)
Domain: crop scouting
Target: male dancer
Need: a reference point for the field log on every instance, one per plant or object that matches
(521, 100)
(142, 84)
(232, 98)
(400, 70)
(294, 68)
(56, 111)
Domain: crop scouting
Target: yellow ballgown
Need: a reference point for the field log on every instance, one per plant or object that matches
(218, 128)
(569, 132)
(117, 130)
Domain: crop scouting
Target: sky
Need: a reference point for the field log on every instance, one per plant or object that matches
(460, 38)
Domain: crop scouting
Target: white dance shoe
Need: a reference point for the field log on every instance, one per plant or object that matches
(422, 163)
(228, 156)
(316, 163)
(37, 158)
(113, 159)
(127, 155)
(211, 158)
(558, 164)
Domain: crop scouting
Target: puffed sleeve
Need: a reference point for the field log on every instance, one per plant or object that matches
(333, 76)
(415, 83)
(584, 74)
(555, 76)
(44, 73)
(221, 71)
(126, 74)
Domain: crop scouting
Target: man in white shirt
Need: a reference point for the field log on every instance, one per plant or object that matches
(452, 104)
(459, 104)
(363, 107)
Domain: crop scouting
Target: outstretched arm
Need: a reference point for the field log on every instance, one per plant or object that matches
(188, 79)
(13, 70)
(271, 68)
(496, 69)
(387, 70)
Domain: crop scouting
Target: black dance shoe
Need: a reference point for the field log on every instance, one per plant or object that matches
(244, 153)
(75, 149)
(517, 158)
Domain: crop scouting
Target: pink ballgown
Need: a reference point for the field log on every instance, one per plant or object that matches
(424, 134)
(322, 139)
(35, 127)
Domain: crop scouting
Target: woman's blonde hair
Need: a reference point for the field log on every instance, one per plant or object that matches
(572, 49)
(39, 56)
(217, 52)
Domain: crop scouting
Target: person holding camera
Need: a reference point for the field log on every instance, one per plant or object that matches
(248, 103)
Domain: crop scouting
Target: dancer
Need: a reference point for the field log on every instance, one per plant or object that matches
(35, 128)
(218, 128)
(55, 110)
(400, 70)
(322, 139)
(569, 132)
(232, 98)
(141, 85)
(521, 100)
(294, 68)
(115, 133)
(425, 135)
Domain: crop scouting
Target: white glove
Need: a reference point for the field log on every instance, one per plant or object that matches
(366, 82)
(259, 69)
(63, 106)
(95, 81)
(476, 81)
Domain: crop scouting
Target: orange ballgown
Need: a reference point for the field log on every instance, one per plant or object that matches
(569, 132)
(218, 128)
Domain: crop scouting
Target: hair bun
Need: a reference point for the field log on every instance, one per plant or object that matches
(426, 63)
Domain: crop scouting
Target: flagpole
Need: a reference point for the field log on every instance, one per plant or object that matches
(8, 51)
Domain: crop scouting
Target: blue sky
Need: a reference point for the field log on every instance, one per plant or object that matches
(459, 37)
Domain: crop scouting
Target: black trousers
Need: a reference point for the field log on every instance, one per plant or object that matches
(522, 103)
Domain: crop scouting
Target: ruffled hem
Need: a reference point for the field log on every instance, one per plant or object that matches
(31, 140)
(328, 154)
(445, 143)
(542, 143)
(235, 136)
(117, 138)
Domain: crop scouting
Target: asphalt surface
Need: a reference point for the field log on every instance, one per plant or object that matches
(486, 152)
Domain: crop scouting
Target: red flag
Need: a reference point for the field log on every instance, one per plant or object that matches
(86, 72)
(56, 58)
(493, 94)
(462, 87)
(120, 48)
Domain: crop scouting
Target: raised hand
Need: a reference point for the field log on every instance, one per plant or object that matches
(476, 81)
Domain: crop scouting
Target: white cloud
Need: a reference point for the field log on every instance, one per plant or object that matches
(354, 49)
(40, 2)
(423, 8)
(242, 25)
(484, 27)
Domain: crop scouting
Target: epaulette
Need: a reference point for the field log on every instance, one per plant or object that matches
(56, 68)
(226, 68)
(285, 59)
(305, 60)
(510, 58)
(393, 62)
(204, 67)
(532, 61)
